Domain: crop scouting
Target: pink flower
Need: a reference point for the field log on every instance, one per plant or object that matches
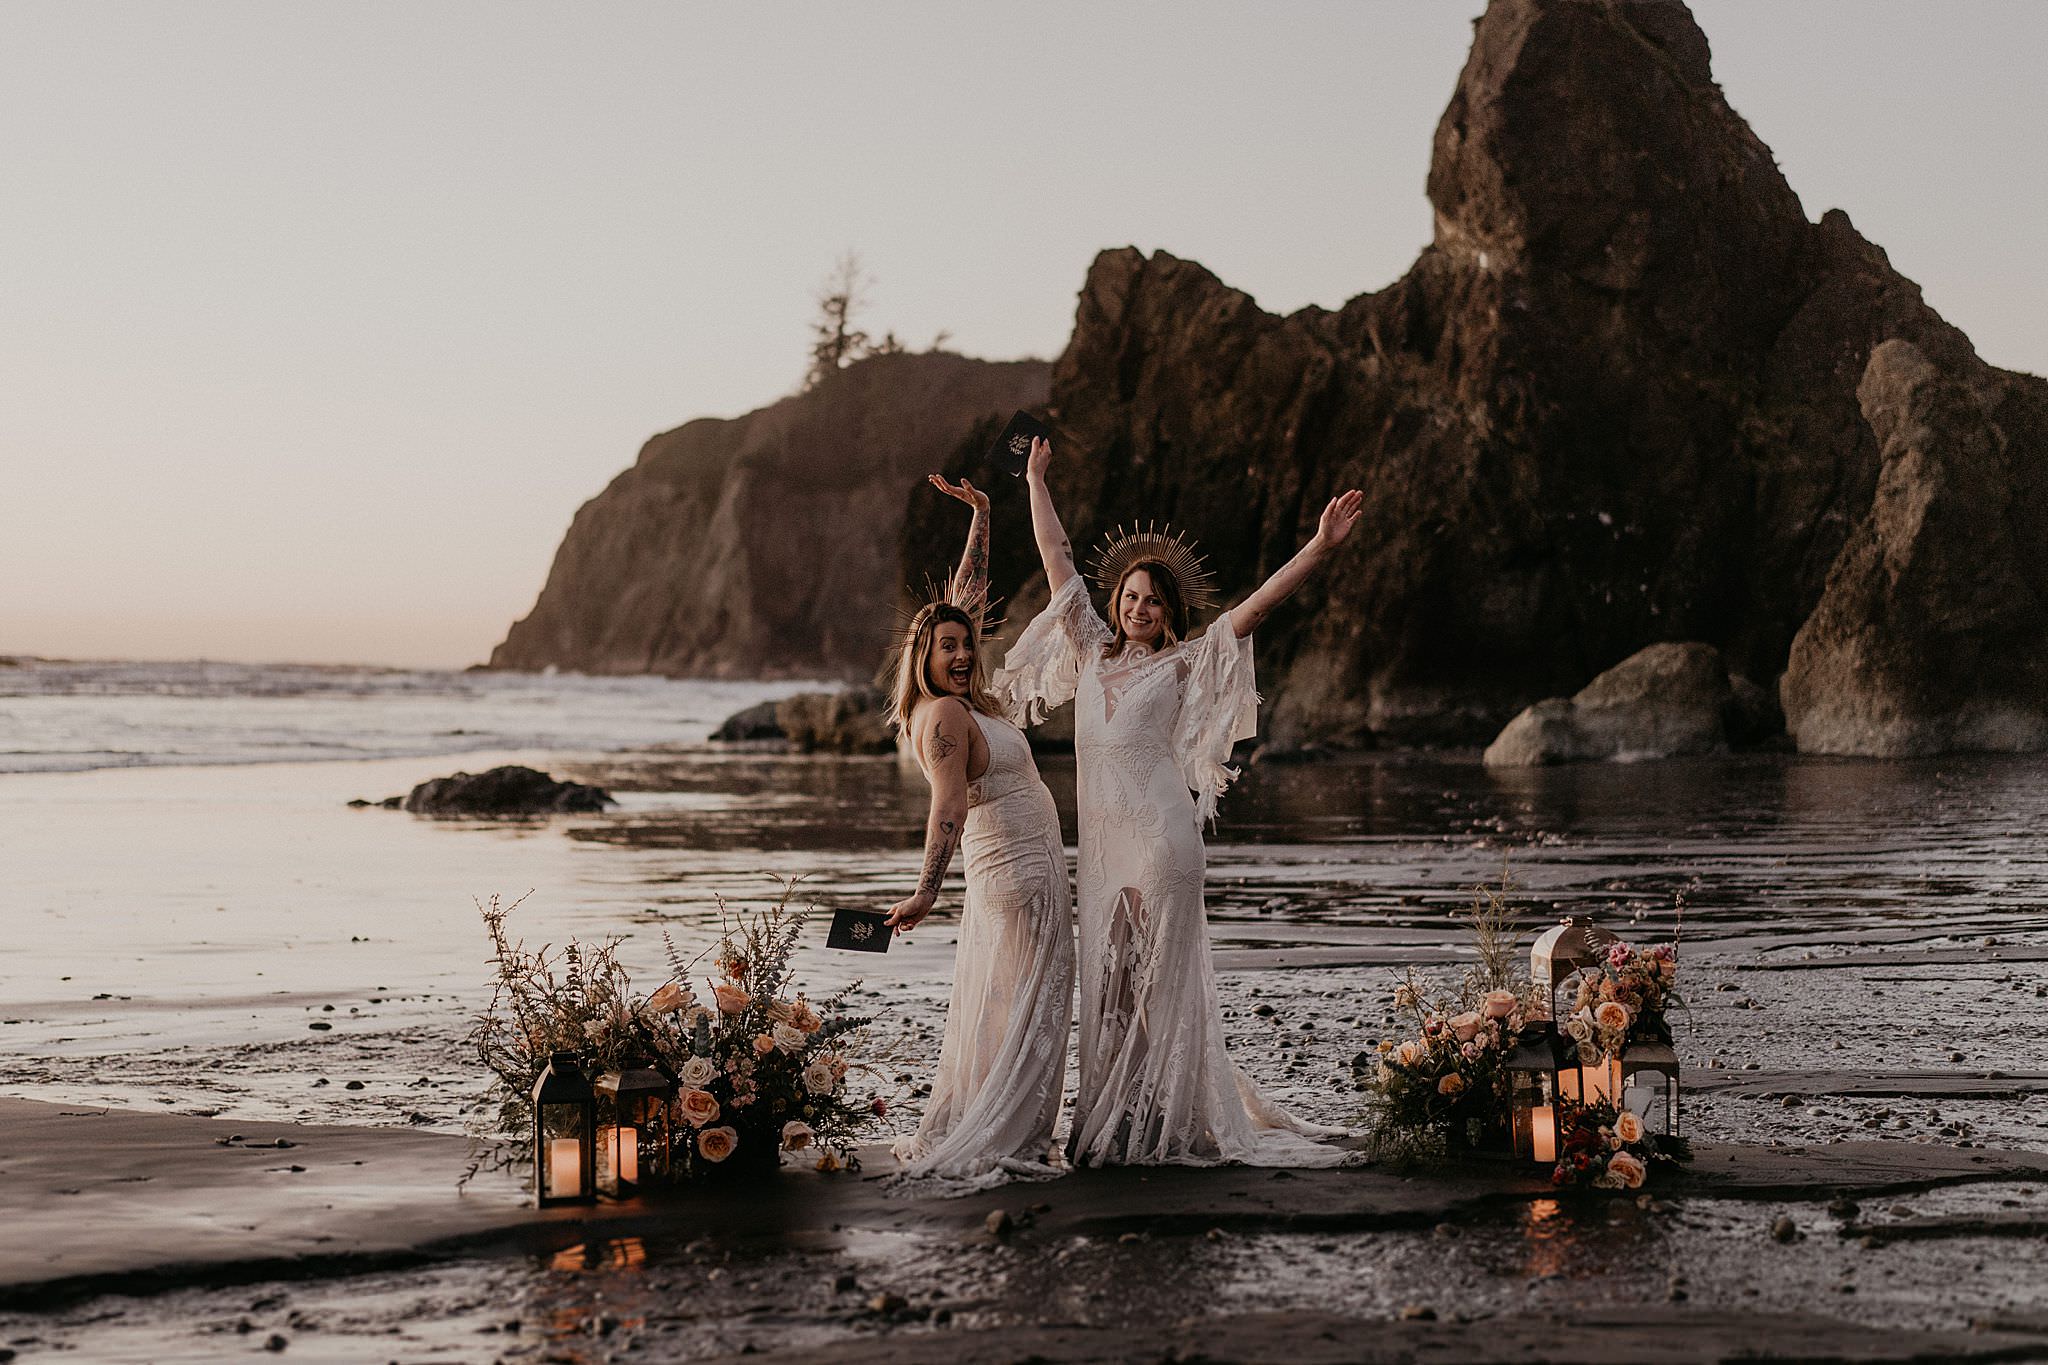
(717, 1143)
(796, 1136)
(807, 1018)
(878, 1106)
(1469, 1051)
(1618, 955)
(1627, 1169)
(1498, 1004)
(699, 1107)
(1465, 1026)
(731, 999)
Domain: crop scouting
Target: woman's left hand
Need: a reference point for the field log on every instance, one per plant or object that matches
(962, 490)
(1339, 517)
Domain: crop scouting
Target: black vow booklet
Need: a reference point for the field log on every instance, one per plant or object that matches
(1012, 449)
(863, 931)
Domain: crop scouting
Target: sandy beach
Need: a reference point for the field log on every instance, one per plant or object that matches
(249, 958)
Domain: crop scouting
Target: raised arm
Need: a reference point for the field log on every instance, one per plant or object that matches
(1337, 520)
(970, 580)
(1053, 546)
(939, 730)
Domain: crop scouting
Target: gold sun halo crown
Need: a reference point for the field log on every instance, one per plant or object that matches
(1121, 549)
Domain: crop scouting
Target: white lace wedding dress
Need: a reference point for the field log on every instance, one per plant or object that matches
(1152, 736)
(1003, 1063)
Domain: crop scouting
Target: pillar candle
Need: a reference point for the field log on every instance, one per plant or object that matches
(565, 1168)
(1543, 1130)
(629, 1155)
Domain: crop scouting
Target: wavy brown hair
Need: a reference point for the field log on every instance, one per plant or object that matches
(1168, 588)
(913, 675)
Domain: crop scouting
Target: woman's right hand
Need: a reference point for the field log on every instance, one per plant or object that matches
(1040, 458)
(962, 490)
(906, 915)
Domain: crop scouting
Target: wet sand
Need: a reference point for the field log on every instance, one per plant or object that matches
(1862, 949)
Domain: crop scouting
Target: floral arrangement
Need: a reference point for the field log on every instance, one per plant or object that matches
(760, 1069)
(1606, 1149)
(1445, 1087)
(1624, 1001)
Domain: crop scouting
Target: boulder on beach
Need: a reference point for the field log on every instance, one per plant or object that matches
(1667, 700)
(510, 790)
(1930, 637)
(854, 721)
(756, 722)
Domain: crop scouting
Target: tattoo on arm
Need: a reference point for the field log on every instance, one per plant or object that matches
(970, 580)
(937, 857)
(941, 745)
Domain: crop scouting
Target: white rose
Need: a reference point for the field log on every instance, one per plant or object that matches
(699, 1072)
(818, 1079)
(789, 1038)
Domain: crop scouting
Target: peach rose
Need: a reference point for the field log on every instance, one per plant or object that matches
(667, 1000)
(698, 1072)
(1628, 1170)
(1611, 1014)
(731, 999)
(796, 1136)
(1628, 1127)
(699, 1107)
(1498, 1004)
(790, 1040)
(716, 1144)
(1465, 1026)
(781, 1011)
(764, 1044)
(807, 1018)
(1406, 1054)
(1453, 1084)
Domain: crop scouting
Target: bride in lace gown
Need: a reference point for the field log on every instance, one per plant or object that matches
(1155, 718)
(1003, 1063)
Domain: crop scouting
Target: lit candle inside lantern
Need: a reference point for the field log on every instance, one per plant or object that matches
(1543, 1130)
(1605, 1082)
(629, 1155)
(565, 1168)
(1568, 1085)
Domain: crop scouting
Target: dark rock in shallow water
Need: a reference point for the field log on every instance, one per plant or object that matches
(851, 722)
(757, 722)
(1930, 636)
(1660, 702)
(510, 790)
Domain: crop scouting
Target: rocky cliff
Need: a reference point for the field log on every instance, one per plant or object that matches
(764, 545)
(1615, 402)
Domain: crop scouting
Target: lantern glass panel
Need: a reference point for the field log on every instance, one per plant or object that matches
(565, 1141)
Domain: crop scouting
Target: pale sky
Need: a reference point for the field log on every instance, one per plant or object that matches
(319, 320)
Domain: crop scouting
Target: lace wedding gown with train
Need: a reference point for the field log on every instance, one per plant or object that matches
(1151, 733)
(1003, 1063)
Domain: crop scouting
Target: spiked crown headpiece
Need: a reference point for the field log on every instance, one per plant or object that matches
(1121, 549)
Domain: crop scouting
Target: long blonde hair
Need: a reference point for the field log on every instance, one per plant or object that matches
(913, 676)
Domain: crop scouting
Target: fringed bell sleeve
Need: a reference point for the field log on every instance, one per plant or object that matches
(1221, 708)
(1043, 668)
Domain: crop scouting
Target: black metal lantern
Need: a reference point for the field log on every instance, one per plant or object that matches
(1532, 1092)
(1650, 1086)
(564, 1134)
(634, 1115)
